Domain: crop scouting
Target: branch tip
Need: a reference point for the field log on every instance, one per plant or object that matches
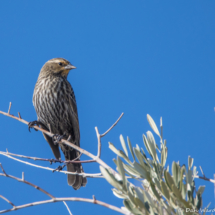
(19, 115)
(9, 108)
(102, 135)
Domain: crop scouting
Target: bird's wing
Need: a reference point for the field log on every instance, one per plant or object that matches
(74, 116)
(55, 148)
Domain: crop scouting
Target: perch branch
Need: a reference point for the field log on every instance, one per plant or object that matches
(96, 175)
(94, 158)
(69, 199)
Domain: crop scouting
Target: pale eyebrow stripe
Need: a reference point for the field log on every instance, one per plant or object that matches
(57, 61)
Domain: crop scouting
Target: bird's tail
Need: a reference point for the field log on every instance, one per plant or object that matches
(76, 181)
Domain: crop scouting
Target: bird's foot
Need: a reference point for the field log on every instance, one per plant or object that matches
(57, 138)
(59, 168)
(51, 161)
(33, 123)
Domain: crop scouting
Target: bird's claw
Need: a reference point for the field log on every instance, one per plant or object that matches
(33, 123)
(52, 161)
(57, 138)
(59, 168)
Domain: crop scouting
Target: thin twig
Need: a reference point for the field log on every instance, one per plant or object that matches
(77, 157)
(9, 108)
(69, 199)
(26, 182)
(96, 175)
(202, 171)
(99, 142)
(102, 135)
(7, 200)
(205, 178)
(3, 169)
(67, 207)
(49, 160)
(19, 115)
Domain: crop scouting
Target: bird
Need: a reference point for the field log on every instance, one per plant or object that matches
(56, 108)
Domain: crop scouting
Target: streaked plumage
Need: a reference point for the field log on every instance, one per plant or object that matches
(55, 105)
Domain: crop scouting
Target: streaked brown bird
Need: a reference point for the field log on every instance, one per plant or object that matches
(55, 105)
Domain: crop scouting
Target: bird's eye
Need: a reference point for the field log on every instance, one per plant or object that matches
(60, 64)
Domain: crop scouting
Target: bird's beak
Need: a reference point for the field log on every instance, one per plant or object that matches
(69, 67)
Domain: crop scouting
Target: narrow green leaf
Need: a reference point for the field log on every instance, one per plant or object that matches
(194, 171)
(153, 125)
(121, 170)
(110, 178)
(131, 171)
(130, 147)
(155, 191)
(172, 203)
(119, 153)
(119, 194)
(165, 190)
(145, 174)
(183, 190)
(200, 190)
(183, 171)
(139, 193)
(163, 156)
(130, 207)
(190, 162)
(189, 179)
(123, 144)
(176, 172)
(151, 144)
(168, 179)
(139, 156)
(145, 141)
(176, 192)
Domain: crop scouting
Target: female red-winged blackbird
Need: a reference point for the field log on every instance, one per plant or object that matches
(56, 108)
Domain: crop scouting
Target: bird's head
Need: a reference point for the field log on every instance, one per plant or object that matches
(57, 66)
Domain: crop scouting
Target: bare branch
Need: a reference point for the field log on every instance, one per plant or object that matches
(95, 158)
(99, 142)
(26, 182)
(69, 199)
(3, 169)
(206, 179)
(99, 136)
(53, 199)
(202, 171)
(67, 207)
(9, 108)
(96, 175)
(19, 115)
(102, 135)
(7, 200)
(49, 160)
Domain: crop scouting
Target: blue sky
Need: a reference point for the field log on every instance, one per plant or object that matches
(136, 57)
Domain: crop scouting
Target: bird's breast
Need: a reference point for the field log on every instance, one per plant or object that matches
(50, 101)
